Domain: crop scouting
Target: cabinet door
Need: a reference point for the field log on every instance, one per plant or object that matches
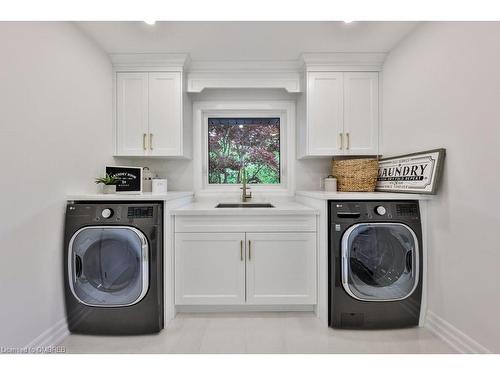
(281, 268)
(209, 268)
(361, 113)
(165, 114)
(324, 113)
(131, 113)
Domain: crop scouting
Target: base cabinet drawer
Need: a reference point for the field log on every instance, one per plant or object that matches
(245, 268)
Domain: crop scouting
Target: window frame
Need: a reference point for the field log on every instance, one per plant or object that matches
(284, 110)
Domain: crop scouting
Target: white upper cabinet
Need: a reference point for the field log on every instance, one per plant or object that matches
(149, 114)
(361, 113)
(152, 112)
(325, 99)
(132, 113)
(165, 113)
(339, 114)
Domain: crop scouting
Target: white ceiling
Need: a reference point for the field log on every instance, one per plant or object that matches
(246, 40)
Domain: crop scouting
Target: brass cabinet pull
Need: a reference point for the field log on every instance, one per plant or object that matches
(241, 250)
(249, 250)
(144, 141)
(341, 139)
(347, 137)
(151, 141)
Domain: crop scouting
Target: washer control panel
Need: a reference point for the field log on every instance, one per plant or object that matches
(351, 211)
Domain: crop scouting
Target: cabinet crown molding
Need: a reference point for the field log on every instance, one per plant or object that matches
(172, 61)
(343, 61)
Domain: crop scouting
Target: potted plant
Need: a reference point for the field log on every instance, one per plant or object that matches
(109, 183)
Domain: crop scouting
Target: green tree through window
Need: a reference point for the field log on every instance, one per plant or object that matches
(253, 143)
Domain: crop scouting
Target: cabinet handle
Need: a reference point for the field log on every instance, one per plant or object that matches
(151, 141)
(249, 250)
(241, 250)
(144, 141)
(341, 139)
(347, 137)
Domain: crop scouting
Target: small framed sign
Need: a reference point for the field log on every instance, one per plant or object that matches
(130, 179)
(412, 173)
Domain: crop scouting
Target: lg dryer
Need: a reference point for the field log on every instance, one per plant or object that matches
(113, 267)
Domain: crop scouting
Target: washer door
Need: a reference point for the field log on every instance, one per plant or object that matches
(380, 261)
(108, 266)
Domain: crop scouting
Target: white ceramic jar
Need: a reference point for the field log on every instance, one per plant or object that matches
(330, 183)
(159, 186)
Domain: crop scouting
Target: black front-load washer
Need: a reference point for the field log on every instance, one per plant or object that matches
(375, 264)
(113, 267)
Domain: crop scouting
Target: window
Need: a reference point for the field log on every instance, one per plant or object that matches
(217, 159)
(252, 143)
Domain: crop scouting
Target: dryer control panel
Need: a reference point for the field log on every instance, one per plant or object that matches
(140, 212)
(115, 213)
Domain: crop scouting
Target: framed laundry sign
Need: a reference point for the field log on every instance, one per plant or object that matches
(130, 179)
(412, 173)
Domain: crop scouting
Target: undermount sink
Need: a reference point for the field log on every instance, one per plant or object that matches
(244, 205)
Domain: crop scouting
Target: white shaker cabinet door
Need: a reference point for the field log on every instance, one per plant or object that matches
(165, 114)
(209, 268)
(361, 112)
(131, 113)
(281, 268)
(324, 113)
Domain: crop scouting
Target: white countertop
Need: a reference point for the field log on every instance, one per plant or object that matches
(378, 195)
(208, 208)
(171, 195)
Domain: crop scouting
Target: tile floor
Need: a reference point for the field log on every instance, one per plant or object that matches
(259, 333)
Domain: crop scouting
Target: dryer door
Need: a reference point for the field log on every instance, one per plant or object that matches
(380, 261)
(108, 266)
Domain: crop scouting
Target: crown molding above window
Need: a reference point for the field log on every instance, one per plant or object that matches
(198, 81)
(245, 66)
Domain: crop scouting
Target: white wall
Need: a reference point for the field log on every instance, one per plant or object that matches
(442, 89)
(55, 137)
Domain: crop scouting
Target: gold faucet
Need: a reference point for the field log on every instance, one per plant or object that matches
(245, 196)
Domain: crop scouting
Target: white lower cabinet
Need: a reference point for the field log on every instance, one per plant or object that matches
(245, 268)
(209, 268)
(281, 268)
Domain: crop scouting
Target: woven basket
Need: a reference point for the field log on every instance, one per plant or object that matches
(355, 174)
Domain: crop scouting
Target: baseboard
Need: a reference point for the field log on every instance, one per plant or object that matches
(52, 336)
(453, 336)
(241, 308)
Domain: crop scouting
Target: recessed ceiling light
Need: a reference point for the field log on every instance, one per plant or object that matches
(149, 22)
(348, 21)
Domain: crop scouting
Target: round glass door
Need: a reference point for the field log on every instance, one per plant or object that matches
(108, 266)
(379, 261)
